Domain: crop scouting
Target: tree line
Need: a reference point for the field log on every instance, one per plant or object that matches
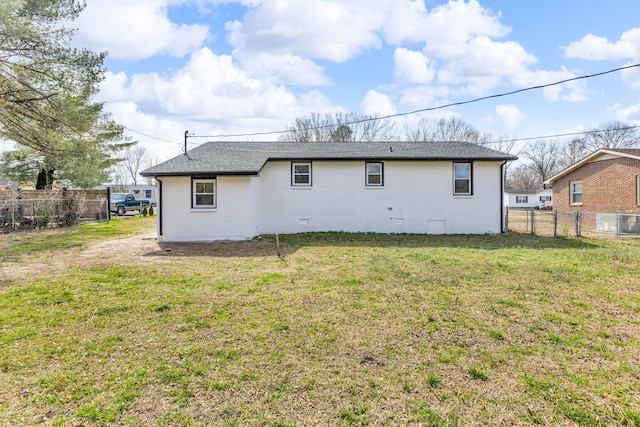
(539, 159)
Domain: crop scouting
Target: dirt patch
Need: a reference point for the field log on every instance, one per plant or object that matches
(136, 250)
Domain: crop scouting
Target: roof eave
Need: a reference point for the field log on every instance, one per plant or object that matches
(199, 173)
(588, 159)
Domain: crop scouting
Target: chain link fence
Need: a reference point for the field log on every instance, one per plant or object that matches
(572, 224)
(52, 209)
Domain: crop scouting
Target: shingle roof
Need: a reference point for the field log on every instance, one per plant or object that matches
(248, 158)
(519, 191)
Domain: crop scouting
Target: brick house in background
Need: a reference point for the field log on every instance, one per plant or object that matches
(606, 181)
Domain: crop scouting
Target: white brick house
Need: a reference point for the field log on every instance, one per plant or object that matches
(238, 190)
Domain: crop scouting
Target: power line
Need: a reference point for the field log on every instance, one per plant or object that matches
(530, 88)
(150, 136)
(559, 135)
(440, 107)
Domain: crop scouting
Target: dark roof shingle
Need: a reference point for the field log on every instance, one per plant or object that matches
(248, 158)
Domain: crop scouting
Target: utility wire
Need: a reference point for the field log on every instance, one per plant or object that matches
(422, 110)
(149, 136)
(559, 135)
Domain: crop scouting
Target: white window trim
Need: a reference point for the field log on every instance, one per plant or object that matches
(526, 199)
(571, 193)
(367, 174)
(638, 190)
(194, 182)
(470, 179)
(293, 174)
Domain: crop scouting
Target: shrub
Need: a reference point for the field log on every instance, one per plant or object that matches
(71, 209)
(145, 211)
(151, 210)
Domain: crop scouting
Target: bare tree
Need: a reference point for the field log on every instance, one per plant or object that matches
(119, 177)
(502, 143)
(543, 158)
(613, 134)
(522, 177)
(134, 158)
(451, 129)
(339, 127)
(572, 152)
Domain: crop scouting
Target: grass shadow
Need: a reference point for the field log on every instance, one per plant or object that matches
(265, 245)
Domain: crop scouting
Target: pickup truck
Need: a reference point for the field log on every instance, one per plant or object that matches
(122, 202)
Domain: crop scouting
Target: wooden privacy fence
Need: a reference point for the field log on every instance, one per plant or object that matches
(565, 224)
(48, 208)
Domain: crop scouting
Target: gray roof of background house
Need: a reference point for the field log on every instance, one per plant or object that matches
(248, 158)
(520, 191)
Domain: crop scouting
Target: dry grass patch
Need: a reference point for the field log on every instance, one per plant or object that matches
(347, 330)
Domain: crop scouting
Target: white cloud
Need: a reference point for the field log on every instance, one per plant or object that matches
(326, 29)
(140, 124)
(212, 91)
(446, 28)
(377, 104)
(631, 77)
(596, 48)
(484, 64)
(459, 40)
(571, 91)
(136, 29)
(283, 68)
(630, 114)
(207, 86)
(510, 114)
(412, 66)
(424, 96)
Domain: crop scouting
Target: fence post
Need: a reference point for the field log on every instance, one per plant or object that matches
(555, 223)
(533, 221)
(618, 225)
(506, 220)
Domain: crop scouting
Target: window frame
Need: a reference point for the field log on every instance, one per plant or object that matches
(573, 193)
(367, 175)
(469, 179)
(294, 174)
(194, 193)
(519, 198)
(638, 190)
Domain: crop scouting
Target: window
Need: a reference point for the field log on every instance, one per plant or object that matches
(204, 193)
(374, 174)
(301, 174)
(638, 189)
(523, 199)
(147, 194)
(576, 192)
(462, 178)
(545, 198)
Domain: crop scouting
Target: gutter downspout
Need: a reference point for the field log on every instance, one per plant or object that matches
(502, 230)
(160, 210)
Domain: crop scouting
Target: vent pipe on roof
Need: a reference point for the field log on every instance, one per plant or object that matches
(186, 134)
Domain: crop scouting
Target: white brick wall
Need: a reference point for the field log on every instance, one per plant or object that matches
(417, 197)
(233, 219)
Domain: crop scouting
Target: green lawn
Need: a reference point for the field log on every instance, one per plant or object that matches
(348, 329)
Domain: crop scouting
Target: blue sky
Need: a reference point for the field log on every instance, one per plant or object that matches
(219, 67)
